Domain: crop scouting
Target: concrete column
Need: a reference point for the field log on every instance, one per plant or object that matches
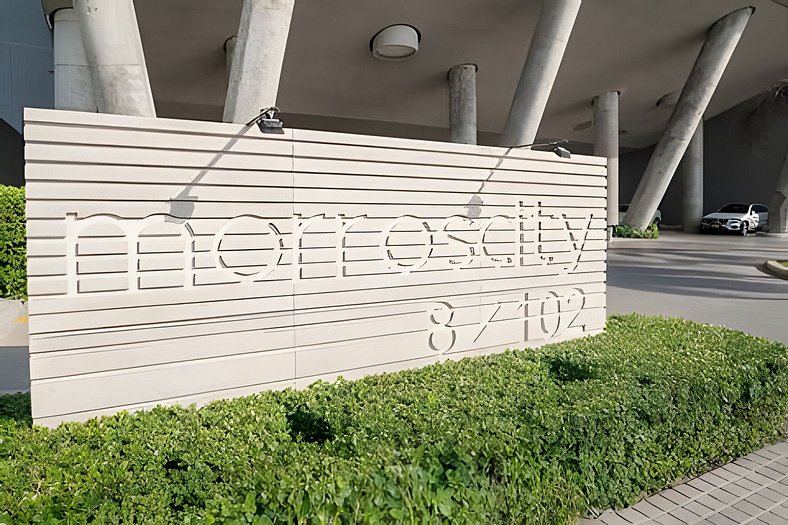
(720, 44)
(73, 82)
(691, 169)
(541, 67)
(462, 95)
(257, 61)
(114, 51)
(606, 145)
(778, 207)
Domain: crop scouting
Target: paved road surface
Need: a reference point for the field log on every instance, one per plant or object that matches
(707, 278)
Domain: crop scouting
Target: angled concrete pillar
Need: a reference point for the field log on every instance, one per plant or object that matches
(114, 52)
(606, 145)
(778, 207)
(258, 57)
(691, 172)
(462, 97)
(541, 67)
(73, 82)
(720, 44)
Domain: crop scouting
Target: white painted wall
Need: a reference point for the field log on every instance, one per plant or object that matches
(179, 262)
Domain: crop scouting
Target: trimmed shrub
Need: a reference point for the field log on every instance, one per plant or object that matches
(15, 407)
(13, 250)
(652, 232)
(534, 437)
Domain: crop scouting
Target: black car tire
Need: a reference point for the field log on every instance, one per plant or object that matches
(745, 226)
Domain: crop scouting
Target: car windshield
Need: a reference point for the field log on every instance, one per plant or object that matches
(734, 208)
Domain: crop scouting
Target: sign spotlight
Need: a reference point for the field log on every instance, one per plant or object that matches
(268, 121)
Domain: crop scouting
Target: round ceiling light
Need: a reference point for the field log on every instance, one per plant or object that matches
(396, 42)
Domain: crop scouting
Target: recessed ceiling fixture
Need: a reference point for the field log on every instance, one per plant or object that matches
(395, 42)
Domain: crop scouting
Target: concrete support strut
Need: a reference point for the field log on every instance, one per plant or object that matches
(541, 68)
(73, 80)
(720, 44)
(259, 53)
(462, 110)
(691, 169)
(778, 207)
(114, 51)
(606, 145)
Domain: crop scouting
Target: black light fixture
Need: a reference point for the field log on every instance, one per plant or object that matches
(268, 121)
(555, 147)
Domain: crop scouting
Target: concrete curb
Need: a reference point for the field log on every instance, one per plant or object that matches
(776, 269)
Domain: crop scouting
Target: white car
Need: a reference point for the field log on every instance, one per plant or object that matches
(623, 208)
(736, 217)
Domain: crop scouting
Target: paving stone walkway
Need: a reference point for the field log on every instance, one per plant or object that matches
(751, 490)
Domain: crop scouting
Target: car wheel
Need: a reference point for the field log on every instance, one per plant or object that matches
(744, 227)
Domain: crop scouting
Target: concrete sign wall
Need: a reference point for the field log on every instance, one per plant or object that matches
(179, 262)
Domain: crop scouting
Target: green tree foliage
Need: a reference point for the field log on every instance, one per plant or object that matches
(627, 232)
(13, 250)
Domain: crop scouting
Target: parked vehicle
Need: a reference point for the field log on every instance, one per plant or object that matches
(623, 208)
(736, 217)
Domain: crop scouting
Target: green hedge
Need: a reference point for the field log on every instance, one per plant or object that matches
(627, 232)
(13, 257)
(536, 436)
(15, 407)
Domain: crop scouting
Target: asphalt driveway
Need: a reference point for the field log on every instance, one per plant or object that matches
(713, 279)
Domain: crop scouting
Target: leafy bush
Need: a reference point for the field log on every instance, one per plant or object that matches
(531, 437)
(15, 407)
(13, 251)
(652, 232)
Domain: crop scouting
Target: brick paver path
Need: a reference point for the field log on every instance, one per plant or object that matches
(751, 490)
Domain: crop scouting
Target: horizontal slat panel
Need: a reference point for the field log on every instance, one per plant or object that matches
(68, 120)
(322, 137)
(524, 170)
(206, 228)
(175, 261)
(338, 292)
(118, 389)
(103, 136)
(235, 339)
(185, 177)
(152, 192)
(407, 156)
(85, 154)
